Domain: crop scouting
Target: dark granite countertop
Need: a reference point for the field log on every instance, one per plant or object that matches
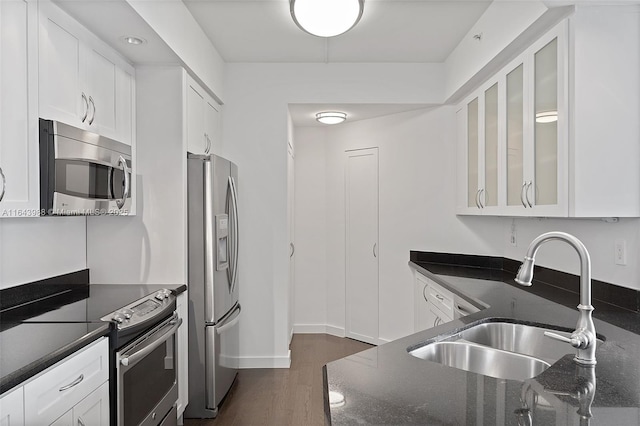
(386, 385)
(42, 323)
(29, 348)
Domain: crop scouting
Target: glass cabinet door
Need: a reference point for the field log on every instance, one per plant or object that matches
(472, 152)
(515, 136)
(489, 195)
(546, 124)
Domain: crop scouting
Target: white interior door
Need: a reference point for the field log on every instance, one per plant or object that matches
(361, 205)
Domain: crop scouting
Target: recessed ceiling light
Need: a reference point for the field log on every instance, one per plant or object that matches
(331, 117)
(326, 18)
(546, 116)
(133, 40)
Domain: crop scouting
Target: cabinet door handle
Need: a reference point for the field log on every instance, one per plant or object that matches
(80, 422)
(86, 107)
(524, 185)
(72, 384)
(292, 249)
(93, 115)
(477, 202)
(526, 193)
(375, 245)
(4, 182)
(480, 198)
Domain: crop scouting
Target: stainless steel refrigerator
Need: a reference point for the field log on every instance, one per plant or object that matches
(214, 310)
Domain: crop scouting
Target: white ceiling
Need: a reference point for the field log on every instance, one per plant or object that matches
(304, 115)
(389, 31)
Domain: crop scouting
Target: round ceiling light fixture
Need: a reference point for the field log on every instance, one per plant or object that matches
(331, 117)
(326, 18)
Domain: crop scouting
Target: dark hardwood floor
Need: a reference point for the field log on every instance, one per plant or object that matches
(282, 397)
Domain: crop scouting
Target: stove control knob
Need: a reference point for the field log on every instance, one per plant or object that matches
(128, 313)
(118, 317)
(160, 295)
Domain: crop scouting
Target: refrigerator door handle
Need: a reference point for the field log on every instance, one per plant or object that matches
(231, 321)
(236, 242)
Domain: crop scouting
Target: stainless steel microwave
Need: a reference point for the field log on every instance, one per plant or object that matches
(82, 173)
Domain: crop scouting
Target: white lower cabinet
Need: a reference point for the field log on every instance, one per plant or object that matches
(12, 408)
(74, 391)
(91, 411)
(434, 305)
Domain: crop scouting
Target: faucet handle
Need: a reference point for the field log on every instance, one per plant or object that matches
(573, 341)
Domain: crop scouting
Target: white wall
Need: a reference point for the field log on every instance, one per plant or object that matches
(598, 236)
(149, 248)
(36, 248)
(254, 137)
(310, 304)
(416, 206)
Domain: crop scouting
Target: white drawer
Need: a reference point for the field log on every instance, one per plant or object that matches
(59, 388)
(441, 299)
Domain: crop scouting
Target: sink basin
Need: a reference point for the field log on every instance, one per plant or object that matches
(500, 349)
(519, 338)
(482, 360)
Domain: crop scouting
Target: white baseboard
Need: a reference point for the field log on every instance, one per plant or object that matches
(335, 331)
(318, 329)
(309, 328)
(265, 361)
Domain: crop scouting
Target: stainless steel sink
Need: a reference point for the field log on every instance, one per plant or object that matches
(519, 338)
(482, 360)
(498, 349)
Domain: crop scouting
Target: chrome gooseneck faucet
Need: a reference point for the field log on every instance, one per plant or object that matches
(584, 336)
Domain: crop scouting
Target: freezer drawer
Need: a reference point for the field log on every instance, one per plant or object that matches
(222, 354)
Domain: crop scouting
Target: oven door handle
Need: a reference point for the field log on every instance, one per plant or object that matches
(157, 341)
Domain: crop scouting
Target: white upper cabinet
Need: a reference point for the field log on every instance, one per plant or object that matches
(545, 136)
(83, 82)
(19, 196)
(512, 139)
(203, 120)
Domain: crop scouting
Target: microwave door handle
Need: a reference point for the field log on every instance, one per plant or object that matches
(135, 357)
(127, 183)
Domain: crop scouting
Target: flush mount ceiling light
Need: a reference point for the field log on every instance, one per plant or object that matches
(546, 116)
(331, 117)
(326, 18)
(133, 40)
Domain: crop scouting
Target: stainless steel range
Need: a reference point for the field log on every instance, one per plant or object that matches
(146, 360)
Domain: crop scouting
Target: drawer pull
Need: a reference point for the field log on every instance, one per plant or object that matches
(72, 384)
(440, 298)
(80, 422)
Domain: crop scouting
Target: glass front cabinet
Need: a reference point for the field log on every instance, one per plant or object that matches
(512, 136)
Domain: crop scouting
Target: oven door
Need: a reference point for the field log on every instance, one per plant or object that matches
(148, 376)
